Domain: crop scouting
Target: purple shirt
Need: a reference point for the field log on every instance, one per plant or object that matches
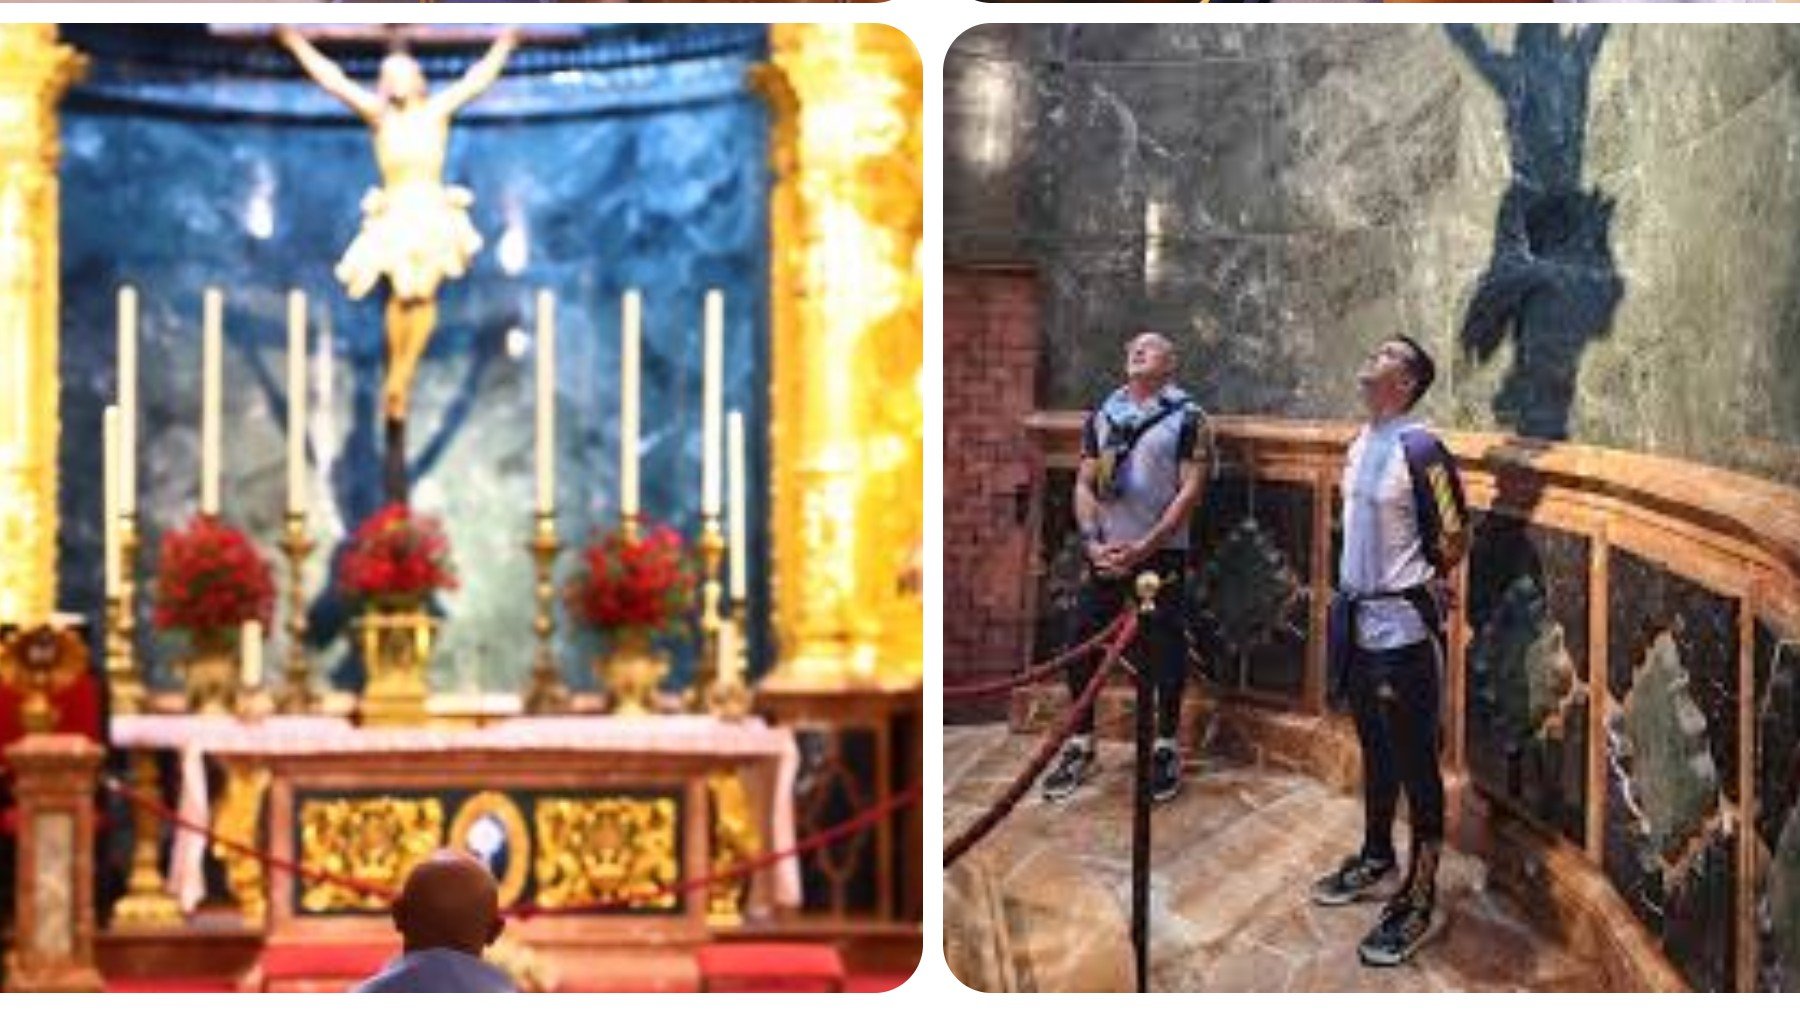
(438, 970)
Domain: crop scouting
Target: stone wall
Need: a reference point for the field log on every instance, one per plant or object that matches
(1591, 226)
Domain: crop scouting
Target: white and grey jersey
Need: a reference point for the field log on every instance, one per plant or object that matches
(1149, 477)
(1383, 550)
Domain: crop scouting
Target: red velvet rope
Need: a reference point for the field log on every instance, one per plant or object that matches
(1127, 631)
(1035, 672)
(156, 807)
(526, 910)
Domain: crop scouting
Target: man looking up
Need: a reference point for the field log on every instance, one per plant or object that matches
(1144, 453)
(1405, 529)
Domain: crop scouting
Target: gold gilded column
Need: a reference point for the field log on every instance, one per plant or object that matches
(847, 432)
(34, 71)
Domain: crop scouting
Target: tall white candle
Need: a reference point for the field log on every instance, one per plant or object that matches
(546, 401)
(211, 354)
(110, 497)
(738, 530)
(128, 342)
(728, 654)
(250, 659)
(712, 402)
(630, 325)
(296, 420)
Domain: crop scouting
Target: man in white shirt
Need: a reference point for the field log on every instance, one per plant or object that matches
(448, 912)
(1405, 529)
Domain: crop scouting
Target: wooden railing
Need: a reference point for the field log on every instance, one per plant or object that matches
(1623, 692)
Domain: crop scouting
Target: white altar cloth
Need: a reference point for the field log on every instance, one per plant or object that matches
(195, 737)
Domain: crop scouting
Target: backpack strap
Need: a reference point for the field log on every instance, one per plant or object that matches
(1438, 500)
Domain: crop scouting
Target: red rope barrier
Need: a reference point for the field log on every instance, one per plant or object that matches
(527, 910)
(1128, 627)
(824, 838)
(170, 816)
(1035, 672)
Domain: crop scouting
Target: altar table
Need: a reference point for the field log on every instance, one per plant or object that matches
(585, 796)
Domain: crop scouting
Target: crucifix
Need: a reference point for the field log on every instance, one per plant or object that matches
(416, 233)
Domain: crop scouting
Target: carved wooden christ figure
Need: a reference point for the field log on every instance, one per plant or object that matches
(415, 230)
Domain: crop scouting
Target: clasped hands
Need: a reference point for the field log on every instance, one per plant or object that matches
(1116, 559)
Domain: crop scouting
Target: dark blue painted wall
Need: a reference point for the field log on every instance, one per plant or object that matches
(618, 156)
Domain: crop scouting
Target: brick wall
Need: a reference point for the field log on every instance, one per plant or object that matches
(990, 381)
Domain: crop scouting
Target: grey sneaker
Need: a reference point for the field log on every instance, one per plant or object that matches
(1072, 767)
(1355, 879)
(1165, 774)
(1405, 925)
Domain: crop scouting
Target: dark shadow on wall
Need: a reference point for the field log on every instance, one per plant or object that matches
(1551, 284)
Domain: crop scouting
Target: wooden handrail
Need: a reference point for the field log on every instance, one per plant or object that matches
(1752, 510)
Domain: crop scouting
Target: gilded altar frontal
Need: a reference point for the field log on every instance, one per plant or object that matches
(460, 464)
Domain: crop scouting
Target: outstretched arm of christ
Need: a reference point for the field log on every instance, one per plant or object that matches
(481, 76)
(329, 75)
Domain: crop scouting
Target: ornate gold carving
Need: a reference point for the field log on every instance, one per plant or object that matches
(602, 850)
(210, 674)
(471, 832)
(735, 840)
(372, 840)
(847, 215)
(37, 663)
(239, 820)
(146, 902)
(34, 71)
(396, 651)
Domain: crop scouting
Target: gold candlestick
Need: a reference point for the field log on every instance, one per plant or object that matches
(296, 694)
(548, 695)
(122, 677)
(628, 527)
(146, 903)
(706, 668)
(729, 696)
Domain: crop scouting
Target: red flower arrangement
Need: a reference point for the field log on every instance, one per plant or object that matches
(396, 559)
(211, 580)
(647, 585)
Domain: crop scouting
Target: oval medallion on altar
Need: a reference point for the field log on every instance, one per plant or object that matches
(491, 827)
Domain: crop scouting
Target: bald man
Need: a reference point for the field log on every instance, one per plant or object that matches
(1145, 454)
(448, 912)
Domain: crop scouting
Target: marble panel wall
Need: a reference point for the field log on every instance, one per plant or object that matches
(1590, 226)
(1671, 763)
(1777, 819)
(1529, 689)
(1248, 593)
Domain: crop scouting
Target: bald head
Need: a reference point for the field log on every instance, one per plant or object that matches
(1149, 359)
(449, 902)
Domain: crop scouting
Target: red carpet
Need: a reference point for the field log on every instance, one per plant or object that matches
(726, 967)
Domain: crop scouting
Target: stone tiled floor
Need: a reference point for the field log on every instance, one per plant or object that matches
(1043, 904)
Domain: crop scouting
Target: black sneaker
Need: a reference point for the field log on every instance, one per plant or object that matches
(1405, 926)
(1072, 767)
(1165, 774)
(1354, 880)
